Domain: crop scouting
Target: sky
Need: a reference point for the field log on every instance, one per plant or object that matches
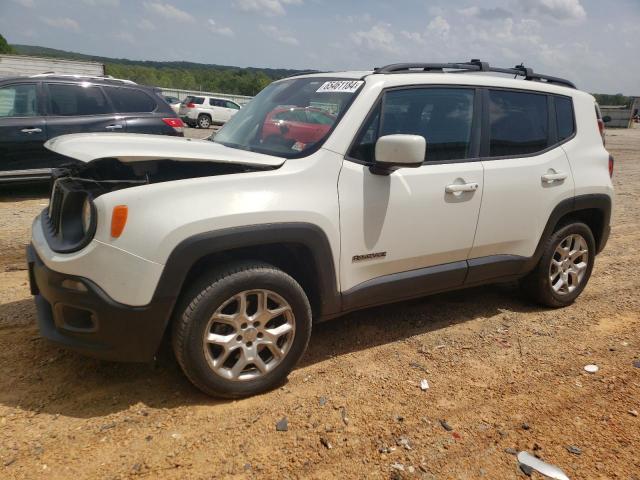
(594, 43)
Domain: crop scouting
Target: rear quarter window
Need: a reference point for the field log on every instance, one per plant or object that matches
(130, 100)
(564, 117)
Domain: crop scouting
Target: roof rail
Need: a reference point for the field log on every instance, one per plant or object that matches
(474, 65)
(96, 77)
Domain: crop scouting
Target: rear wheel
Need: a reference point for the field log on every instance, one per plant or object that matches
(242, 330)
(564, 268)
(204, 121)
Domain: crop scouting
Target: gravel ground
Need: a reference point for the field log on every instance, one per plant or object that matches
(504, 376)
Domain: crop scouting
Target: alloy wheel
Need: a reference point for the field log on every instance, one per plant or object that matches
(249, 335)
(569, 264)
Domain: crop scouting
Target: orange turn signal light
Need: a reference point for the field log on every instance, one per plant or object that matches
(118, 220)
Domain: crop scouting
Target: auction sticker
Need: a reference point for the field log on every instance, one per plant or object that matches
(340, 86)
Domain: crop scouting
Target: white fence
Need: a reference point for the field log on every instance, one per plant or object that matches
(181, 94)
(15, 65)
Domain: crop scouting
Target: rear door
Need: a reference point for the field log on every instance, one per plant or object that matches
(140, 111)
(80, 108)
(22, 130)
(526, 172)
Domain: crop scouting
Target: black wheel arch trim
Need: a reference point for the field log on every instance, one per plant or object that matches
(185, 255)
(597, 201)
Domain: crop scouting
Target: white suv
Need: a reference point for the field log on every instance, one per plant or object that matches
(202, 111)
(422, 181)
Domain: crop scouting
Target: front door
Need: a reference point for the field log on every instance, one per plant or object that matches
(23, 131)
(410, 233)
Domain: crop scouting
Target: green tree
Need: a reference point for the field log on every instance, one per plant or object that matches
(4, 46)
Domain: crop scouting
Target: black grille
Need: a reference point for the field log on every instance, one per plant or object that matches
(62, 220)
(55, 208)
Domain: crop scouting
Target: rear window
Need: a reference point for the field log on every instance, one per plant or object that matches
(564, 117)
(77, 99)
(130, 100)
(196, 100)
(519, 123)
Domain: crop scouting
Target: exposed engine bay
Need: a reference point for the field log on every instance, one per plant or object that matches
(108, 174)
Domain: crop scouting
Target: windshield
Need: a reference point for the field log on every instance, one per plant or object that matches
(290, 118)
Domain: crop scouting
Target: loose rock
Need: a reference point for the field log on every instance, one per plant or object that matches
(322, 401)
(282, 425)
(325, 442)
(573, 449)
(424, 385)
(446, 426)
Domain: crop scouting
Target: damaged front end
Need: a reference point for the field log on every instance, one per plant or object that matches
(102, 163)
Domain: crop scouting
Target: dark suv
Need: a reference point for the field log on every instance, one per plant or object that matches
(37, 108)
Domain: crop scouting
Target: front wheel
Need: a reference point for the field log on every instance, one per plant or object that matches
(242, 330)
(564, 268)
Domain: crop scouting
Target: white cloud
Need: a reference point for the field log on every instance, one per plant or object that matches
(269, 8)
(354, 19)
(124, 37)
(102, 3)
(562, 10)
(415, 37)
(168, 11)
(483, 13)
(146, 25)
(25, 3)
(439, 26)
(219, 30)
(275, 33)
(64, 23)
(378, 38)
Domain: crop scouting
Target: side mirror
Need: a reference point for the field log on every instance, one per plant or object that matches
(398, 151)
(606, 119)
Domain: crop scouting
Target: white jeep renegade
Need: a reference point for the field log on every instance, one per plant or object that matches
(327, 193)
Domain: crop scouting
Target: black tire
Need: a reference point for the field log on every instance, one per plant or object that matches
(537, 284)
(204, 121)
(212, 291)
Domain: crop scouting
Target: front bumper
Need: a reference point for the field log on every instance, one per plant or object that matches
(75, 313)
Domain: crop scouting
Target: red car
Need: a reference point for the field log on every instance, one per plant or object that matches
(301, 125)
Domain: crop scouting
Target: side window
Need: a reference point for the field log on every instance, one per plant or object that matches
(70, 100)
(129, 100)
(197, 100)
(519, 123)
(18, 100)
(232, 105)
(443, 116)
(564, 117)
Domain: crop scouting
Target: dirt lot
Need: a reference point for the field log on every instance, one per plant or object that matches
(503, 374)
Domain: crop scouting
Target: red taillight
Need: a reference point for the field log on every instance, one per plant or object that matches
(175, 123)
(601, 129)
(191, 105)
(611, 162)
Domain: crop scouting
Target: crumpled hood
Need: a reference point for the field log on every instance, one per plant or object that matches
(134, 147)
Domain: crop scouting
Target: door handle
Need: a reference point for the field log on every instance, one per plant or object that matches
(554, 177)
(31, 130)
(113, 127)
(461, 187)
